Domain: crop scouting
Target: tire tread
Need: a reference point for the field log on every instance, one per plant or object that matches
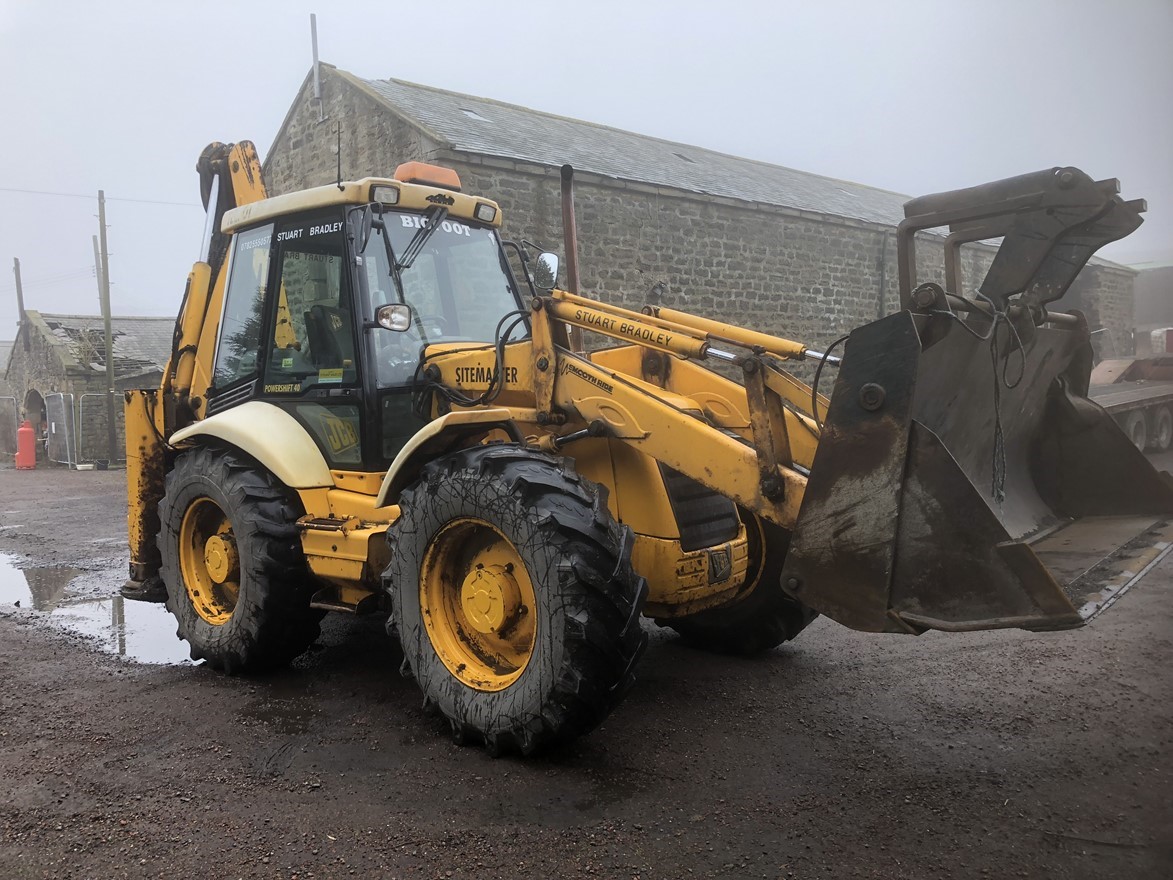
(602, 645)
(278, 623)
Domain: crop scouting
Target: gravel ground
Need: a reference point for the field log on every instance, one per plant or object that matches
(838, 755)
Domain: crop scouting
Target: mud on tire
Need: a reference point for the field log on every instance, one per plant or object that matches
(587, 634)
(763, 616)
(269, 620)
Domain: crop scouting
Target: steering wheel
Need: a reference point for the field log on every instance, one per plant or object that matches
(398, 356)
(433, 325)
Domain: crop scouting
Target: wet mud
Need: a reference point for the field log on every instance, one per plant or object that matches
(838, 755)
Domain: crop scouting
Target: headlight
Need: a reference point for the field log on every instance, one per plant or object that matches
(485, 213)
(386, 195)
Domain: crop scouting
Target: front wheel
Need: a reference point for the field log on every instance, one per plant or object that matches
(514, 598)
(236, 578)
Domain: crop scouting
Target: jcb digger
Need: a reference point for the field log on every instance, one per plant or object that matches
(367, 409)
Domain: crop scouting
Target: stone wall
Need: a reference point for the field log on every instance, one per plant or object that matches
(5, 386)
(804, 276)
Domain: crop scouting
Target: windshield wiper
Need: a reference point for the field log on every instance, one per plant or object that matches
(433, 217)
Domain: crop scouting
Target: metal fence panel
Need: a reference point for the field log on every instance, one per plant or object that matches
(59, 413)
(8, 425)
(93, 440)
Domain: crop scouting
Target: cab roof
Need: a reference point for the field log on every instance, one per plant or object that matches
(412, 196)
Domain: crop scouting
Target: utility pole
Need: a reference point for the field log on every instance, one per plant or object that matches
(20, 328)
(104, 292)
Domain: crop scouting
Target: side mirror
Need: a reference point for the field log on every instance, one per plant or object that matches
(546, 271)
(395, 316)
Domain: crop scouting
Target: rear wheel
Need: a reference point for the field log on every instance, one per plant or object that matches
(236, 578)
(762, 616)
(1162, 433)
(514, 598)
(1136, 429)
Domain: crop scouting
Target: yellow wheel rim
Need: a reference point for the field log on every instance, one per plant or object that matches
(478, 604)
(209, 561)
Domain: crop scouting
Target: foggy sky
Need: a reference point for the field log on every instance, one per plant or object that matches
(915, 97)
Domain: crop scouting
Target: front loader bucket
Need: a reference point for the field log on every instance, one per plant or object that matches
(916, 517)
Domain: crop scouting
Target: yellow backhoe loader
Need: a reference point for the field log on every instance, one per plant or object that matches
(368, 410)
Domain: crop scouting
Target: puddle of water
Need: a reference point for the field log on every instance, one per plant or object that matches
(283, 716)
(139, 631)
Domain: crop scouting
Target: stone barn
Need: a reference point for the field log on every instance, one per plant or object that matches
(56, 371)
(779, 250)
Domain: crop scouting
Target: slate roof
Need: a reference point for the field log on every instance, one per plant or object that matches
(493, 128)
(141, 345)
(5, 351)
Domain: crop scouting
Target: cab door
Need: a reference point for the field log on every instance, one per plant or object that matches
(311, 368)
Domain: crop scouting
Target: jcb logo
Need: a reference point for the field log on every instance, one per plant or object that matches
(720, 565)
(340, 434)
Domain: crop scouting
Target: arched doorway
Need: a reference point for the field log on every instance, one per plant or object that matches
(35, 412)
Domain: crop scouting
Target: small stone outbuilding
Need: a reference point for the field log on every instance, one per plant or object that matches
(783, 251)
(56, 376)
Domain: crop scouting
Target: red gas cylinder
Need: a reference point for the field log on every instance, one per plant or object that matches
(26, 446)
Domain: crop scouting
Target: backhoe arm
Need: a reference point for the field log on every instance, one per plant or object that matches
(230, 175)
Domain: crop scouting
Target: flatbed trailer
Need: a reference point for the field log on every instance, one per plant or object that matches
(1138, 393)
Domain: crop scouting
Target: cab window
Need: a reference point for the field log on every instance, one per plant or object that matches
(312, 328)
(457, 287)
(244, 305)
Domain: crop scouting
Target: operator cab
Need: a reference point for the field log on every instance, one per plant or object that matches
(305, 285)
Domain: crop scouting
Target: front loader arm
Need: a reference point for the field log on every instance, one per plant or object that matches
(660, 425)
(776, 426)
(744, 446)
(663, 425)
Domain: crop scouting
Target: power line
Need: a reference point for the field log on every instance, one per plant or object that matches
(50, 280)
(38, 192)
(65, 273)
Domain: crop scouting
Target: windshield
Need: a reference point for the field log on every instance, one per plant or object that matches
(457, 288)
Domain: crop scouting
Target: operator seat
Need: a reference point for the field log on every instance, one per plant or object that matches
(331, 343)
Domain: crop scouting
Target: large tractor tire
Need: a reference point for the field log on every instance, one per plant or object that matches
(762, 616)
(237, 580)
(514, 598)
